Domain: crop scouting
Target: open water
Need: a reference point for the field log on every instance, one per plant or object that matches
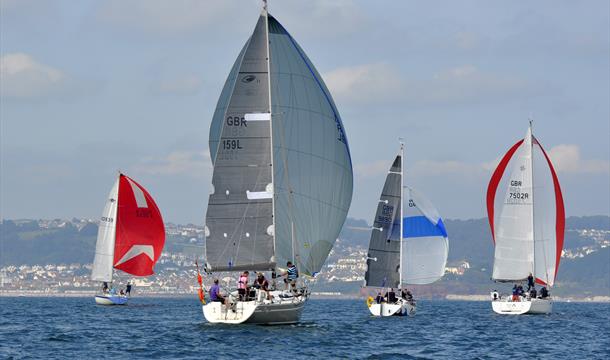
(174, 328)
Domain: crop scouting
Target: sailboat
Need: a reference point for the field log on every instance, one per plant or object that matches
(130, 237)
(282, 180)
(408, 245)
(528, 228)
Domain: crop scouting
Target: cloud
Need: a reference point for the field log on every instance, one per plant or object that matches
(566, 158)
(364, 83)
(180, 85)
(24, 77)
(382, 83)
(163, 16)
(466, 84)
(188, 163)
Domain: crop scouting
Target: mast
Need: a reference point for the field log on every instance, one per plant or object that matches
(266, 13)
(533, 207)
(116, 224)
(402, 156)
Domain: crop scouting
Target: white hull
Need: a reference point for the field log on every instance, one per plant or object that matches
(279, 310)
(401, 308)
(111, 299)
(525, 306)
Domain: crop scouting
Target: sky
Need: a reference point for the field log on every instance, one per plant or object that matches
(91, 87)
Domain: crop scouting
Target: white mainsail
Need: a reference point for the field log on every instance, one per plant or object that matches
(104, 248)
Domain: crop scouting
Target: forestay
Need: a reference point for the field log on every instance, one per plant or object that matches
(383, 258)
(425, 245)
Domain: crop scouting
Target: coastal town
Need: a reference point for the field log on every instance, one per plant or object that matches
(175, 273)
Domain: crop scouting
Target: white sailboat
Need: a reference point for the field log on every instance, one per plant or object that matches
(408, 246)
(282, 181)
(130, 237)
(528, 229)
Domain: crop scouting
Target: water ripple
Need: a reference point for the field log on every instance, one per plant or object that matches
(174, 328)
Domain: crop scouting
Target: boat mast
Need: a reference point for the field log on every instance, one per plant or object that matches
(266, 13)
(533, 207)
(402, 156)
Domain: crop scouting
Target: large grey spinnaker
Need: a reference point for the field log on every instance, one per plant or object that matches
(289, 186)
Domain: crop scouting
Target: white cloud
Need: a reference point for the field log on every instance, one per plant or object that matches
(566, 158)
(364, 83)
(180, 85)
(163, 16)
(189, 163)
(382, 82)
(24, 77)
(464, 84)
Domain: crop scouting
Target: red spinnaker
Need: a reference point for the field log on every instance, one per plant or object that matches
(140, 233)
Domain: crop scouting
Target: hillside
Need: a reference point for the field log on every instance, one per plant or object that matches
(585, 267)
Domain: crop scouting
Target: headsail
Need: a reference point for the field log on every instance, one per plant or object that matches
(425, 245)
(383, 258)
(282, 193)
(528, 229)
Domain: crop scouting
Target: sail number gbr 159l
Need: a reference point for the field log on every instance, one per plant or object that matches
(231, 144)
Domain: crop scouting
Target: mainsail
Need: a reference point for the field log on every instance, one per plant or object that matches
(528, 230)
(383, 258)
(282, 181)
(131, 234)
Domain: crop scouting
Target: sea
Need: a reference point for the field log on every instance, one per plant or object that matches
(174, 328)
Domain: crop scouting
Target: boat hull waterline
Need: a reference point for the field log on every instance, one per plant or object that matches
(276, 312)
(111, 299)
(401, 308)
(531, 306)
